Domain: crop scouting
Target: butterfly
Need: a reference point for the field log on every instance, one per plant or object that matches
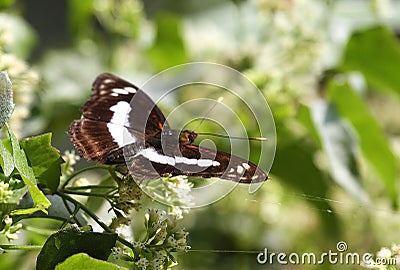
(121, 124)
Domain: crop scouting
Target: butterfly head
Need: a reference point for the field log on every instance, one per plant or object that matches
(187, 136)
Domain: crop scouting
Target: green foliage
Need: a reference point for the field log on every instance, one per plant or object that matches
(168, 49)
(83, 261)
(80, 16)
(376, 53)
(351, 107)
(44, 167)
(6, 160)
(6, 3)
(304, 175)
(44, 159)
(335, 173)
(28, 176)
(339, 146)
(70, 241)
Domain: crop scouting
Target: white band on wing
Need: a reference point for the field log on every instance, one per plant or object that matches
(152, 155)
(119, 123)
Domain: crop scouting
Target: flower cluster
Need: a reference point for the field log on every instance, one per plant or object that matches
(130, 195)
(70, 158)
(162, 238)
(296, 50)
(5, 192)
(276, 47)
(386, 258)
(154, 250)
(24, 79)
(8, 229)
(172, 191)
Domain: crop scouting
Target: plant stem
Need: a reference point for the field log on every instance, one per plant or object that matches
(92, 187)
(24, 247)
(73, 175)
(102, 195)
(94, 217)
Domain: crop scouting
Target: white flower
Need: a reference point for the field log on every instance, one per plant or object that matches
(172, 242)
(125, 232)
(24, 82)
(288, 42)
(117, 253)
(382, 8)
(71, 157)
(142, 263)
(138, 244)
(158, 260)
(396, 249)
(174, 192)
(10, 231)
(5, 192)
(384, 253)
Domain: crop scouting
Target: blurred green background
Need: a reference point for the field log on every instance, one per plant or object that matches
(328, 69)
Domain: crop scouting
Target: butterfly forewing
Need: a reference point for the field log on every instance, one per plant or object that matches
(110, 121)
(109, 91)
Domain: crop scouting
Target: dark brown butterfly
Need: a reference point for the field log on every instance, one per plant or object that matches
(121, 124)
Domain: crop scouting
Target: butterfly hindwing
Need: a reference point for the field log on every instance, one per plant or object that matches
(193, 161)
(230, 167)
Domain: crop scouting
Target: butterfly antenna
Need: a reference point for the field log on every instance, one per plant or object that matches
(234, 137)
(219, 100)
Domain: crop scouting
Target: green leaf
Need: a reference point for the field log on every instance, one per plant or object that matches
(83, 261)
(6, 160)
(27, 211)
(17, 195)
(44, 159)
(57, 210)
(20, 161)
(6, 98)
(67, 242)
(339, 145)
(305, 118)
(373, 143)
(168, 49)
(26, 172)
(375, 52)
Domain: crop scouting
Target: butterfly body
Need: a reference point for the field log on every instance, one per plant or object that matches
(121, 124)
